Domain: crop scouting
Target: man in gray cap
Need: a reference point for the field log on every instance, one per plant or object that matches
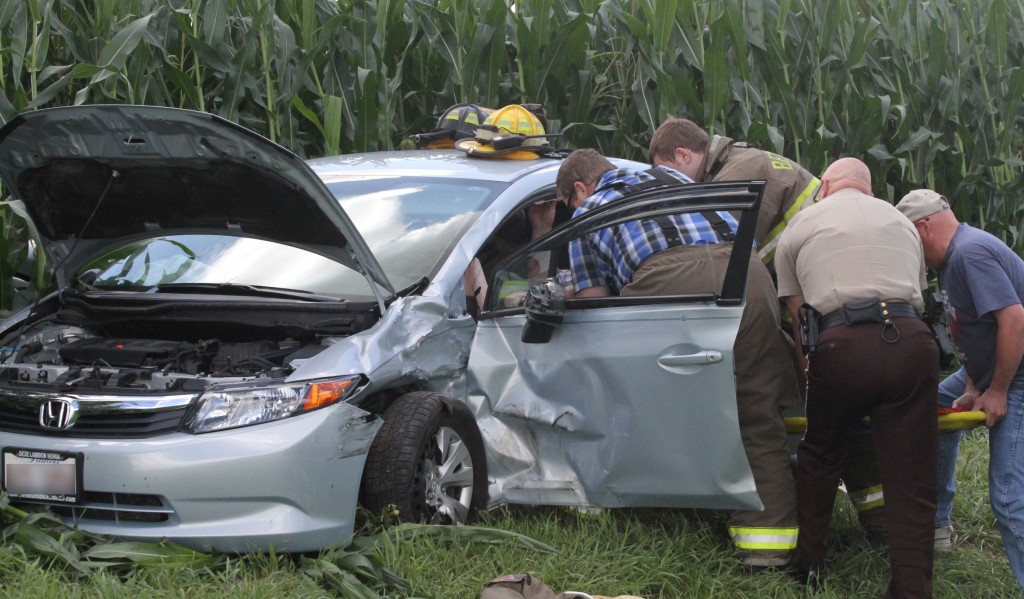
(982, 282)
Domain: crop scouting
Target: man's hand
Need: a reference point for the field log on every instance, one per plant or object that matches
(993, 403)
(967, 400)
(599, 291)
(1009, 351)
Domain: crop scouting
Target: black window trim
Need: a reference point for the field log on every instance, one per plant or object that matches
(734, 196)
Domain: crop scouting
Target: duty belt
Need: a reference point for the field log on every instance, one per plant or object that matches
(885, 312)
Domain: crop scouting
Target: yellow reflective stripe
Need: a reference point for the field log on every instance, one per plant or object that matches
(868, 499)
(767, 251)
(764, 538)
(469, 120)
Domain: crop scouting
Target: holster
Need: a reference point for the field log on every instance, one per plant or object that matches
(810, 332)
(933, 318)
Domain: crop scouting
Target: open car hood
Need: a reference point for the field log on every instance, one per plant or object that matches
(107, 173)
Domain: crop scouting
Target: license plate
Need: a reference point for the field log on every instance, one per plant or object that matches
(42, 475)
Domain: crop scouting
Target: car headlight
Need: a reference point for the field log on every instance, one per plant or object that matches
(233, 406)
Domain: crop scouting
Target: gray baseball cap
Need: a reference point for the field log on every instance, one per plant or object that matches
(922, 203)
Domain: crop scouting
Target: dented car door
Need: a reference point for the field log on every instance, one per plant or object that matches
(620, 401)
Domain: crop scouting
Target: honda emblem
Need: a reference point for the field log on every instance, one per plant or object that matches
(58, 414)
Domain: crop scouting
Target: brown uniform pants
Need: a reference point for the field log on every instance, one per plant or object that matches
(856, 373)
(766, 384)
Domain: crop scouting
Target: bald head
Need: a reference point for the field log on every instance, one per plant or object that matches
(846, 173)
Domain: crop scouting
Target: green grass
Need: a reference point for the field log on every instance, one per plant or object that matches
(256, 576)
(652, 553)
(686, 553)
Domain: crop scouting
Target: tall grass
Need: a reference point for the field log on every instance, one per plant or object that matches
(929, 94)
(656, 554)
(671, 554)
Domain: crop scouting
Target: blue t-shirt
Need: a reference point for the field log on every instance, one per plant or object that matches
(981, 274)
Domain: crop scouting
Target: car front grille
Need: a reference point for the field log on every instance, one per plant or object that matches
(112, 507)
(97, 417)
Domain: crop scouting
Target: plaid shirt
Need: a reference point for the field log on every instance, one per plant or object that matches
(610, 256)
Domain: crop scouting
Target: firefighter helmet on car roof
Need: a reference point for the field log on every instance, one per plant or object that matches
(458, 122)
(515, 118)
(511, 132)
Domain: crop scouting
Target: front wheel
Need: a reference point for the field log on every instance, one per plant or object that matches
(428, 461)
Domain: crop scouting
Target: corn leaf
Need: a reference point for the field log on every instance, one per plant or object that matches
(149, 554)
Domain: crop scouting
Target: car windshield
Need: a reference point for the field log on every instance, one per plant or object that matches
(161, 263)
(412, 223)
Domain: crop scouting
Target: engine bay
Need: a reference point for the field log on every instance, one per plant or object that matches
(71, 359)
(155, 348)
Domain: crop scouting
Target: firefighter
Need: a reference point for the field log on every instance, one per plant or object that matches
(684, 146)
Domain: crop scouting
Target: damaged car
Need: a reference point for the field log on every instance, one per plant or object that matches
(243, 346)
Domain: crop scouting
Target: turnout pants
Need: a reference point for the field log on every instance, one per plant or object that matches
(855, 372)
(766, 384)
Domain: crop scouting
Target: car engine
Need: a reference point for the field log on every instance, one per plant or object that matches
(75, 359)
(88, 348)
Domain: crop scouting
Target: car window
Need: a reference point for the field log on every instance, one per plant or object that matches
(511, 282)
(514, 233)
(411, 224)
(511, 277)
(221, 260)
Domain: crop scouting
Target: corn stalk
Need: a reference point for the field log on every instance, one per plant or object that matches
(929, 94)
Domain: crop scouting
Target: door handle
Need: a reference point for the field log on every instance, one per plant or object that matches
(701, 357)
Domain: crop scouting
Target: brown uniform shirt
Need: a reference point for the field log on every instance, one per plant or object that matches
(850, 246)
(789, 188)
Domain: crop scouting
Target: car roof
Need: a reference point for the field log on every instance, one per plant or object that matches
(428, 163)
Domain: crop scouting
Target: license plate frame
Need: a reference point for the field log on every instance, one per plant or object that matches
(42, 474)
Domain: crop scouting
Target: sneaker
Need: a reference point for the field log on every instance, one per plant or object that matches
(943, 539)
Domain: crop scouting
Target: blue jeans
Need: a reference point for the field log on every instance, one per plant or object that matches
(949, 444)
(1005, 469)
(1006, 478)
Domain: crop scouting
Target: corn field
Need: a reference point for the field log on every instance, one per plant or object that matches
(928, 93)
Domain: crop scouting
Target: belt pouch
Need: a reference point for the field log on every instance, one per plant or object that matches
(863, 310)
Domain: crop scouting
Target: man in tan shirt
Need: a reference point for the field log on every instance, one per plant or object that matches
(858, 262)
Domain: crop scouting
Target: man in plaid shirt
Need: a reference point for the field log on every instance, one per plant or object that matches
(609, 257)
(688, 254)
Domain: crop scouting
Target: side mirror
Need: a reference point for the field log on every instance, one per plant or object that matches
(545, 307)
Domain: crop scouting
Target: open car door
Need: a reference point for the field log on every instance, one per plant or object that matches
(619, 401)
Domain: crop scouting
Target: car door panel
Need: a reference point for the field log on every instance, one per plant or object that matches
(630, 403)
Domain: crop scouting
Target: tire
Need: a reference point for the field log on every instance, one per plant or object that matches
(427, 461)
